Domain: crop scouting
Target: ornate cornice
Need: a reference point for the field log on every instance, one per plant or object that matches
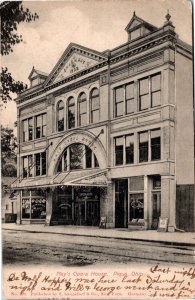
(167, 36)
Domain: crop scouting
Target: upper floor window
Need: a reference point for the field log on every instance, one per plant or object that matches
(149, 145)
(149, 91)
(82, 109)
(129, 98)
(124, 149)
(60, 116)
(95, 105)
(119, 100)
(124, 100)
(27, 166)
(40, 164)
(77, 156)
(27, 126)
(40, 126)
(71, 113)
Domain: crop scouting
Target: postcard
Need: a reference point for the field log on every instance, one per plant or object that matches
(97, 150)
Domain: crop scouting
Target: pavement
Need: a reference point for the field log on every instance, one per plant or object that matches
(169, 238)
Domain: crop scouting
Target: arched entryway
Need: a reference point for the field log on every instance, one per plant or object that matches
(79, 180)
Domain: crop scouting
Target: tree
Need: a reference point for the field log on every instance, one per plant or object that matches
(9, 85)
(12, 13)
(8, 145)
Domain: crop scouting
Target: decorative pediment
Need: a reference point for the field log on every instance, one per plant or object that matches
(136, 22)
(74, 59)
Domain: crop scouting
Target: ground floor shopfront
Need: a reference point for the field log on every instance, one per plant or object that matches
(136, 202)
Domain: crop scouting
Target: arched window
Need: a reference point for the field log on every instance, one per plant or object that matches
(82, 109)
(95, 105)
(75, 157)
(71, 113)
(60, 116)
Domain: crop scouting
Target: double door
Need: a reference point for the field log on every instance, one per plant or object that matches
(87, 213)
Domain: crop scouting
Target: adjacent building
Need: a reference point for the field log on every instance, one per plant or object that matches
(108, 136)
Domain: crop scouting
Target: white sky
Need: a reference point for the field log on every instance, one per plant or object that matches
(97, 24)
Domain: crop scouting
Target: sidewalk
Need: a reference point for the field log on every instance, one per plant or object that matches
(173, 238)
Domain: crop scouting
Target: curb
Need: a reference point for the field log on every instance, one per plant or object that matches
(107, 237)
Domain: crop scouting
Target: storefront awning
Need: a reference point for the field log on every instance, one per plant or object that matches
(73, 178)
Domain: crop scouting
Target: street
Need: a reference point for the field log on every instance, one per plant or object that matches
(27, 248)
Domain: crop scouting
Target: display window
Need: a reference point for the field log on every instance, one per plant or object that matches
(136, 208)
(33, 204)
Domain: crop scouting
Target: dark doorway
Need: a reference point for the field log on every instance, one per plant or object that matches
(121, 196)
(80, 213)
(87, 206)
(156, 203)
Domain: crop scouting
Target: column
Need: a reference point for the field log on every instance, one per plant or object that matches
(49, 206)
(18, 208)
(146, 202)
(107, 205)
(168, 200)
(136, 95)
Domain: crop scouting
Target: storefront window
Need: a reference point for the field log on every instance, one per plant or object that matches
(26, 208)
(38, 208)
(34, 204)
(136, 208)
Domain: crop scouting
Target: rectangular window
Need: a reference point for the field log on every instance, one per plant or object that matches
(149, 92)
(129, 149)
(83, 113)
(27, 166)
(40, 162)
(119, 100)
(27, 126)
(144, 94)
(155, 144)
(155, 90)
(150, 145)
(30, 129)
(119, 142)
(129, 98)
(25, 130)
(143, 147)
(40, 126)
